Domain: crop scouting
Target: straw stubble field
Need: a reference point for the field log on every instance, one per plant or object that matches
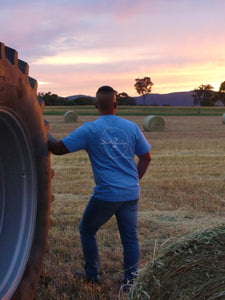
(183, 190)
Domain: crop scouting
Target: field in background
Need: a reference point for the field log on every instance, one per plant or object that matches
(140, 110)
(182, 191)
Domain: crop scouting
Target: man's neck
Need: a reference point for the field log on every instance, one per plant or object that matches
(107, 113)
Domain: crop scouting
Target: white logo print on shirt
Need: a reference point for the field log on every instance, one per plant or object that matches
(114, 142)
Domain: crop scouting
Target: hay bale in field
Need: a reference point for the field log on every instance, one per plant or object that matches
(223, 118)
(192, 268)
(153, 123)
(70, 117)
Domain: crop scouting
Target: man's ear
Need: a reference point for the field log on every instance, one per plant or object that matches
(96, 105)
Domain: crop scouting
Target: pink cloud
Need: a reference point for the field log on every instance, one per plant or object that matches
(143, 37)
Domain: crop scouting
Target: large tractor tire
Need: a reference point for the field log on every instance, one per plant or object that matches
(24, 180)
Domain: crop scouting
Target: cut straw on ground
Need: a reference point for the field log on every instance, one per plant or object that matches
(191, 268)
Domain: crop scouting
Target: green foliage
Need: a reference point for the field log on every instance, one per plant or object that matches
(220, 95)
(54, 100)
(50, 99)
(222, 87)
(82, 101)
(125, 99)
(143, 86)
(204, 96)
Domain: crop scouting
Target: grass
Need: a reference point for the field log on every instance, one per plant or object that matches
(182, 191)
(85, 110)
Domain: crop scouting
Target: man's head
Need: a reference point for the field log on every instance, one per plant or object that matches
(106, 100)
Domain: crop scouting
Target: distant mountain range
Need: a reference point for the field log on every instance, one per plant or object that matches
(172, 99)
(70, 98)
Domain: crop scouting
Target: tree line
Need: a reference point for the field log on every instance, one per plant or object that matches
(203, 95)
(143, 86)
(54, 100)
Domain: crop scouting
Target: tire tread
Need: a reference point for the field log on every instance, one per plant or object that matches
(25, 88)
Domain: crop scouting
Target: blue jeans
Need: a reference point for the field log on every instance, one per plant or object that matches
(95, 215)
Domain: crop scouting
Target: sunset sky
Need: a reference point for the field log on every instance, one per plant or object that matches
(75, 46)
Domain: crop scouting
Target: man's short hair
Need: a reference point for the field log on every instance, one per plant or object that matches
(104, 97)
(105, 90)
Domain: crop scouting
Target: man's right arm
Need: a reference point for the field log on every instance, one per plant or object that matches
(143, 163)
(55, 146)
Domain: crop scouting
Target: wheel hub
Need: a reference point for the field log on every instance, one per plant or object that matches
(18, 201)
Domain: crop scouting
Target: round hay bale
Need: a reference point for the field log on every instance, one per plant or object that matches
(223, 118)
(70, 117)
(153, 123)
(192, 268)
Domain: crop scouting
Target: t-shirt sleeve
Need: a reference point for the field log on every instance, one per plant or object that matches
(142, 145)
(77, 139)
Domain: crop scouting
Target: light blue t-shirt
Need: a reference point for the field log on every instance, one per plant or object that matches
(111, 143)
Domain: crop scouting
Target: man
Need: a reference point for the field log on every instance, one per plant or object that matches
(111, 143)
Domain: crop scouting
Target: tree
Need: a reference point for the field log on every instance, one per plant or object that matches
(220, 95)
(124, 99)
(204, 96)
(222, 87)
(143, 86)
(49, 98)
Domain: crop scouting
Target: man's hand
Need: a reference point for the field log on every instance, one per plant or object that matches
(55, 146)
(143, 163)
